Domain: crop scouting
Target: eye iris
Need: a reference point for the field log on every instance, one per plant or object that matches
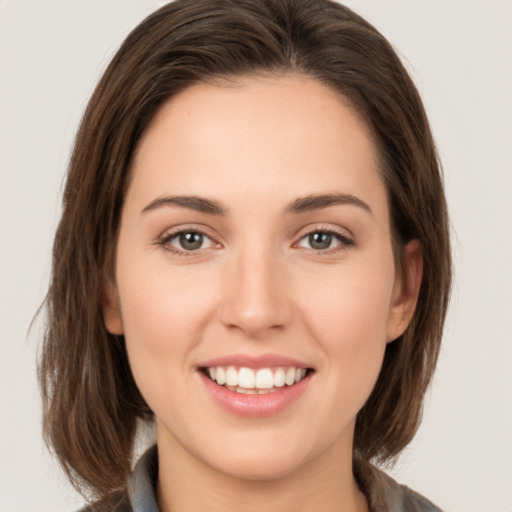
(320, 240)
(191, 241)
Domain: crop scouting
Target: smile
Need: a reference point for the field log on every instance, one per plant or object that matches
(251, 381)
(255, 386)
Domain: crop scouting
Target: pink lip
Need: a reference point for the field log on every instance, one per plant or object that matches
(254, 405)
(263, 361)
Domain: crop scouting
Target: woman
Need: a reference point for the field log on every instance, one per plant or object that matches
(253, 254)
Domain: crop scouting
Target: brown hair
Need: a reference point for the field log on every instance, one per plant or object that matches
(91, 402)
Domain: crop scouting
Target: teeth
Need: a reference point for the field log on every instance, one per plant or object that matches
(289, 378)
(220, 376)
(264, 379)
(243, 391)
(248, 381)
(246, 378)
(231, 377)
(279, 378)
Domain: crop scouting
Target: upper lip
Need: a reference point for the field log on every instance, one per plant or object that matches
(248, 361)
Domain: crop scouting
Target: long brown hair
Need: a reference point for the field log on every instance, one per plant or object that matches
(91, 402)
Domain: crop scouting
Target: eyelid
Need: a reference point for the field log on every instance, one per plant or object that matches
(343, 235)
(171, 233)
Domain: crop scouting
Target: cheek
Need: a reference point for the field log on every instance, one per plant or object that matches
(164, 314)
(162, 303)
(347, 315)
(352, 297)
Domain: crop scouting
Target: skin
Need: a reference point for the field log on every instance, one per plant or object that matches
(257, 286)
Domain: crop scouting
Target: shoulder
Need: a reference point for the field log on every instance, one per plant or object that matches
(386, 495)
(411, 501)
(140, 492)
(118, 501)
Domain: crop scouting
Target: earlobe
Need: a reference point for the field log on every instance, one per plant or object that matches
(406, 291)
(111, 311)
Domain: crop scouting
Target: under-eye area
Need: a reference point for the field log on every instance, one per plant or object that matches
(256, 381)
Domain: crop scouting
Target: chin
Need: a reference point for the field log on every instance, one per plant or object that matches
(259, 467)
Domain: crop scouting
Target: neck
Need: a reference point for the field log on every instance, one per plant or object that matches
(187, 484)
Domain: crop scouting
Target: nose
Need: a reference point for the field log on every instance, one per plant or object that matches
(257, 295)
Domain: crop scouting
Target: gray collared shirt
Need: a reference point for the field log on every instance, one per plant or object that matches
(383, 493)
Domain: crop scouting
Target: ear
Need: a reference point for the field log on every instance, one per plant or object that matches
(405, 291)
(111, 310)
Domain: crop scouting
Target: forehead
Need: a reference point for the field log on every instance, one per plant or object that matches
(254, 135)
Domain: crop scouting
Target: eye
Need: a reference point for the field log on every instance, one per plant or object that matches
(186, 241)
(323, 240)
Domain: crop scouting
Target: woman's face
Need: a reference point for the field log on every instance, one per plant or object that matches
(255, 248)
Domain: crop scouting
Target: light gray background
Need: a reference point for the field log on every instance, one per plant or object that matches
(460, 55)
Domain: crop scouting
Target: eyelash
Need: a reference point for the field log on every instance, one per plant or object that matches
(165, 242)
(344, 241)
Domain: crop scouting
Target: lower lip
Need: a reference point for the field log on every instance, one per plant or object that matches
(268, 404)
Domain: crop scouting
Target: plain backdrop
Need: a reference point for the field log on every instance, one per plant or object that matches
(460, 55)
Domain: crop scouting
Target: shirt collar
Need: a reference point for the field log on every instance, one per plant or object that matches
(142, 483)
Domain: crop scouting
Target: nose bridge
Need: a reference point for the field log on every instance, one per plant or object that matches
(255, 300)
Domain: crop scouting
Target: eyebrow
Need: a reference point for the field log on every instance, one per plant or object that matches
(200, 204)
(317, 202)
(300, 205)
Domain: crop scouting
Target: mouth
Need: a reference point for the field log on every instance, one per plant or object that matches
(252, 381)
